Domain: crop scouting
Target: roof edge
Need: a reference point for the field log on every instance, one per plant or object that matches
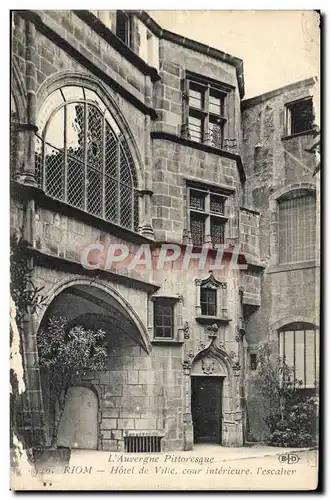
(194, 45)
(253, 101)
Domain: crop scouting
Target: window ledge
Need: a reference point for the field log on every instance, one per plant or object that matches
(295, 266)
(210, 320)
(299, 134)
(166, 342)
(47, 202)
(168, 296)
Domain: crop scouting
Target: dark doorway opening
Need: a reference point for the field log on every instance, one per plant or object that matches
(206, 408)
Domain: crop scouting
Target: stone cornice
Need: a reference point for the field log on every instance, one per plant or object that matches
(96, 24)
(253, 101)
(52, 261)
(194, 45)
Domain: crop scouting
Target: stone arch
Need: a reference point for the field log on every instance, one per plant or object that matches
(64, 78)
(214, 360)
(110, 294)
(297, 318)
(279, 193)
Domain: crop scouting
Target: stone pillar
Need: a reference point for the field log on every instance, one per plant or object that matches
(198, 308)
(188, 431)
(27, 174)
(33, 423)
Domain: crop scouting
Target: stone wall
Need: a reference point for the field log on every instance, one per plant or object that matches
(274, 161)
(173, 165)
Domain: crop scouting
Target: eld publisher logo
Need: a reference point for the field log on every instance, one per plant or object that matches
(288, 458)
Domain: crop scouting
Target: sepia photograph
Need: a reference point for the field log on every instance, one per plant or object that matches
(164, 250)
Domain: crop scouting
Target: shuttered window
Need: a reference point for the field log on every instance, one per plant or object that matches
(297, 222)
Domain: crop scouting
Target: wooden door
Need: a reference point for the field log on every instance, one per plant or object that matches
(206, 407)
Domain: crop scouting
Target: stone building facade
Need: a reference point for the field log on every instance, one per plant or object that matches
(126, 134)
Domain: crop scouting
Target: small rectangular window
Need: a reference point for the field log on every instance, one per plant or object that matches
(197, 229)
(300, 116)
(217, 231)
(195, 128)
(253, 362)
(196, 98)
(217, 204)
(215, 133)
(164, 318)
(216, 103)
(197, 200)
(208, 302)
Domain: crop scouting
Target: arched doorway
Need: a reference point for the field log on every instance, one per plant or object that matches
(89, 421)
(214, 406)
(78, 427)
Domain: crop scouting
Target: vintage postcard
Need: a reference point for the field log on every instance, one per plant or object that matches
(165, 250)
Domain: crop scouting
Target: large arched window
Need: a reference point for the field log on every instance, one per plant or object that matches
(298, 344)
(83, 159)
(296, 226)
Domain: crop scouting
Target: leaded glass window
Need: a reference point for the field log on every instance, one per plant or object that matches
(83, 159)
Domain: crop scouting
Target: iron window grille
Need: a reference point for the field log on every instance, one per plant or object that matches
(299, 116)
(143, 444)
(205, 113)
(164, 318)
(83, 159)
(207, 217)
(298, 345)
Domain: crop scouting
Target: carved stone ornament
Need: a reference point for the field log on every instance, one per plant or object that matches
(207, 366)
(212, 330)
(188, 361)
(236, 368)
(222, 346)
(186, 330)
